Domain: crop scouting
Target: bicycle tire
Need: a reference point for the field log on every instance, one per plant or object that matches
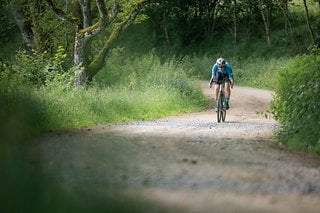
(224, 115)
(220, 112)
(218, 116)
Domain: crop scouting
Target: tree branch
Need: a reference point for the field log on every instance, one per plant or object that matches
(98, 62)
(100, 25)
(101, 8)
(61, 14)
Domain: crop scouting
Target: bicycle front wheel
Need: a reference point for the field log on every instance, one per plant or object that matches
(220, 110)
(223, 115)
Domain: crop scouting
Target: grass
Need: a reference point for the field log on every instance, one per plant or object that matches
(72, 109)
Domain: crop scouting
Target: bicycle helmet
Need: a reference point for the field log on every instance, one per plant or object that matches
(221, 62)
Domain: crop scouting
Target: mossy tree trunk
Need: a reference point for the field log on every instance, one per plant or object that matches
(85, 31)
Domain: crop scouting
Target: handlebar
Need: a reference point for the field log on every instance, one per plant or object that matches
(222, 81)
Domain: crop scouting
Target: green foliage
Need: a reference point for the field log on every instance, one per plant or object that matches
(147, 72)
(258, 72)
(73, 109)
(187, 23)
(7, 24)
(144, 88)
(20, 113)
(297, 105)
(22, 117)
(36, 69)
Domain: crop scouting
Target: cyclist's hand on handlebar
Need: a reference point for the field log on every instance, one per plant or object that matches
(231, 83)
(211, 82)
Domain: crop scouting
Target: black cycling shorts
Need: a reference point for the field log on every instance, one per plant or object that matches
(222, 78)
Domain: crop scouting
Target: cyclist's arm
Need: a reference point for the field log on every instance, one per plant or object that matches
(230, 75)
(214, 70)
(213, 75)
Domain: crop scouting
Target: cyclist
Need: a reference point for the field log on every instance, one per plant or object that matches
(222, 70)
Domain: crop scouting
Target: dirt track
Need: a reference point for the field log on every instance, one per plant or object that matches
(187, 163)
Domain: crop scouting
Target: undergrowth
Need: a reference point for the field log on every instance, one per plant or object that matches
(145, 89)
(296, 105)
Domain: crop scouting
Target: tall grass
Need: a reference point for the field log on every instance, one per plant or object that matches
(68, 108)
(251, 71)
(258, 72)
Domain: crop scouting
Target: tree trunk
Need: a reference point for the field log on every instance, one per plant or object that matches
(235, 21)
(99, 61)
(24, 25)
(213, 14)
(165, 28)
(79, 59)
(266, 22)
(287, 23)
(308, 20)
(86, 10)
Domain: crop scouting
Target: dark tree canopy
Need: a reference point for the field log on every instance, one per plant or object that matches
(78, 25)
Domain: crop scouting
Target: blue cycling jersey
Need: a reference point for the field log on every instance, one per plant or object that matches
(226, 70)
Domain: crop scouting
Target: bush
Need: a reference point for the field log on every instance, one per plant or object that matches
(37, 69)
(297, 104)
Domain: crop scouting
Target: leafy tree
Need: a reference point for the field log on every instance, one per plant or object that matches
(23, 21)
(6, 23)
(39, 29)
(189, 22)
(90, 20)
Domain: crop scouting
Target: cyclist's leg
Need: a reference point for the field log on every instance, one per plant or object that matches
(227, 94)
(217, 84)
(216, 93)
(227, 87)
(216, 90)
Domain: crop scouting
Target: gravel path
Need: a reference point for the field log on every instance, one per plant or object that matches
(185, 163)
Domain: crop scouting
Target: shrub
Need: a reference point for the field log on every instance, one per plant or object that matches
(297, 102)
(38, 68)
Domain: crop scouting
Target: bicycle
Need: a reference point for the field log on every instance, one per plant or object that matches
(221, 110)
(220, 102)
